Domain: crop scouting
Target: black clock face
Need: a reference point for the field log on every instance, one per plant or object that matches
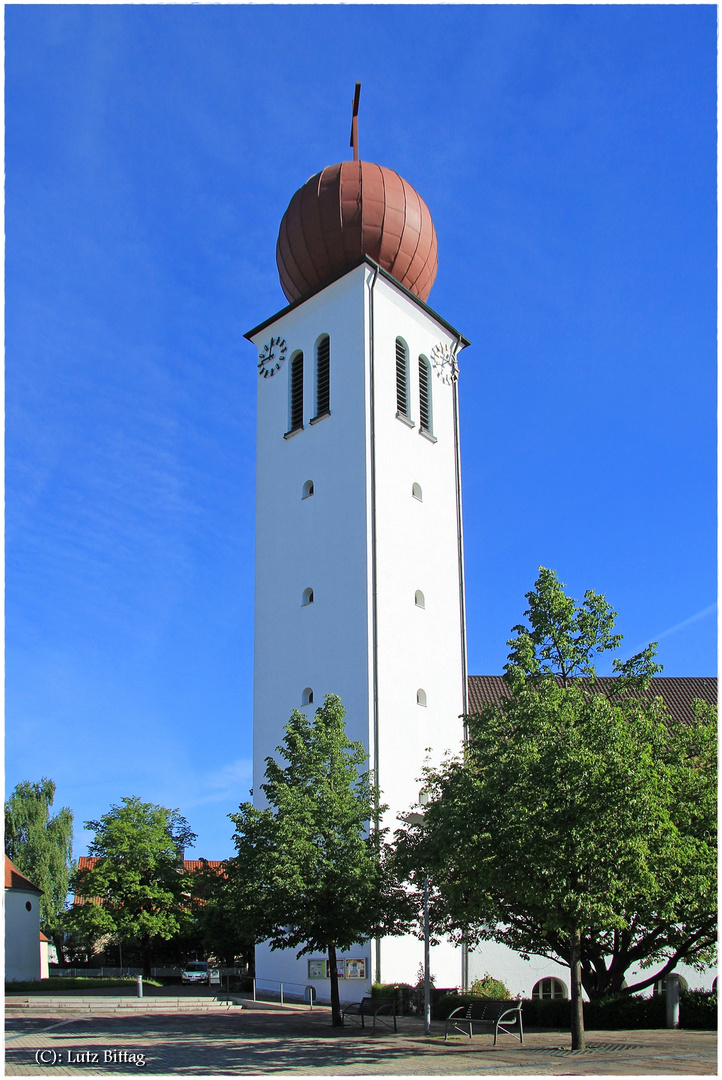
(271, 357)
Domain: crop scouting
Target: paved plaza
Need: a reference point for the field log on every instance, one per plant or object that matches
(118, 1036)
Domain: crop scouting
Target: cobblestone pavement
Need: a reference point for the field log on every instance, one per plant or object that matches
(264, 1040)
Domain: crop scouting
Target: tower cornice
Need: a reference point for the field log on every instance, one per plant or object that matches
(463, 342)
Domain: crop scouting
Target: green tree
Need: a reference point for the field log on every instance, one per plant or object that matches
(222, 906)
(138, 881)
(579, 824)
(315, 862)
(41, 846)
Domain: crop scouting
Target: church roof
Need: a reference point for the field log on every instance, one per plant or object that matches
(678, 693)
(15, 880)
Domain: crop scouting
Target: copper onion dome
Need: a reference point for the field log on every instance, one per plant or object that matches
(349, 211)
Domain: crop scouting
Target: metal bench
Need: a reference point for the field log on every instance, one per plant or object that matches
(499, 1015)
(378, 1008)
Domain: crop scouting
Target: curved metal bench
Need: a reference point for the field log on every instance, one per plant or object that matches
(378, 1008)
(499, 1015)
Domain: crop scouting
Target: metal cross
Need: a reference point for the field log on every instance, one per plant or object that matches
(354, 122)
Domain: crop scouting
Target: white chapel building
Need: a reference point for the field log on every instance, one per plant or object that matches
(359, 587)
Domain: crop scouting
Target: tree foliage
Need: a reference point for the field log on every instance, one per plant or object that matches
(137, 883)
(578, 825)
(314, 863)
(223, 911)
(40, 844)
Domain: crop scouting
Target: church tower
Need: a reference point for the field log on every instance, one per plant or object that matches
(359, 587)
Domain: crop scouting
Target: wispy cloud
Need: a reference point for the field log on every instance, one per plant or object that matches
(222, 784)
(686, 622)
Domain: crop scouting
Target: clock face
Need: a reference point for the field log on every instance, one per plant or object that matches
(271, 357)
(443, 358)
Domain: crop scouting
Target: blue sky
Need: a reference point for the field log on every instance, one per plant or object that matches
(568, 157)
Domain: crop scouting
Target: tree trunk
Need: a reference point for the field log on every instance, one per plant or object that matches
(575, 966)
(146, 956)
(336, 1017)
(59, 943)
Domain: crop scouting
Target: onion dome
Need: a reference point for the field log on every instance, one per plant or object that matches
(349, 211)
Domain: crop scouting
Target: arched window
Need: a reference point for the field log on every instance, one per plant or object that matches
(425, 415)
(419, 599)
(402, 379)
(307, 696)
(323, 372)
(296, 393)
(416, 492)
(307, 489)
(420, 697)
(549, 990)
(307, 597)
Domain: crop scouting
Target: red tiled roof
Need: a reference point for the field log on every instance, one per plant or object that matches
(677, 693)
(43, 937)
(15, 880)
(87, 862)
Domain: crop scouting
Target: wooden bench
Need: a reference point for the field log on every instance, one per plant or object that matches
(378, 1008)
(499, 1015)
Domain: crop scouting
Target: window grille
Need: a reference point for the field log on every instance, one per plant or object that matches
(549, 990)
(323, 372)
(297, 392)
(424, 395)
(402, 378)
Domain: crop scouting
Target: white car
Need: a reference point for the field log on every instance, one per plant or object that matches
(196, 971)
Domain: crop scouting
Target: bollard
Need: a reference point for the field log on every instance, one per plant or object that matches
(671, 987)
(140, 986)
(310, 995)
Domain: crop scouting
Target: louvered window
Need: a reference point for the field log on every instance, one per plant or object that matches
(323, 372)
(402, 378)
(424, 395)
(297, 392)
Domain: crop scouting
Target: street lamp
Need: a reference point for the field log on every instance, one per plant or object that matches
(415, 818)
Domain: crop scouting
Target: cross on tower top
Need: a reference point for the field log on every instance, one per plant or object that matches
(354, 122)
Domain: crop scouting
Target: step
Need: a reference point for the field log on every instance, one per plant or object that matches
(171, 1004)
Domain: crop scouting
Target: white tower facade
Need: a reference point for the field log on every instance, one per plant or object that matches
(359, 564)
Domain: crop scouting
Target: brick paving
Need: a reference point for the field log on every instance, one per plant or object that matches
(261, 1039)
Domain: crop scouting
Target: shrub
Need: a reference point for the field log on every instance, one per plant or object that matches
(698, 1009)
(68, 982)
(625, 1011)
(488, 987)
(404, 993)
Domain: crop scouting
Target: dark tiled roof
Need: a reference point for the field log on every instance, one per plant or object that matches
(678, 694)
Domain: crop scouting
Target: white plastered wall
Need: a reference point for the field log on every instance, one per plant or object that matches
(22, 935)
